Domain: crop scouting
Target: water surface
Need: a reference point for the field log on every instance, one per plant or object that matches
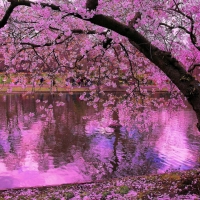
(37, 149)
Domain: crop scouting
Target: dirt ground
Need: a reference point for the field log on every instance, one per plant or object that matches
(175, 185)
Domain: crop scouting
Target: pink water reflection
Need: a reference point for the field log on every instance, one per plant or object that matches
(32, 177)
(172, 144)
(35, 153)
(22, 168)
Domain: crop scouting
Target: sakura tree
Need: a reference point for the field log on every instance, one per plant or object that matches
(135, 41)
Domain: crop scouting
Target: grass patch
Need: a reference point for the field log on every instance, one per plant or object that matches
(105, 194)
(69, 195)
(123, 189)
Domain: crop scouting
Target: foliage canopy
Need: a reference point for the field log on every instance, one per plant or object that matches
(139, 42)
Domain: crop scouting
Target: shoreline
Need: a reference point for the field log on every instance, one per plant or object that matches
(172, 185)
(45, 89)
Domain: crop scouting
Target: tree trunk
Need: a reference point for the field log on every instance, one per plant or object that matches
(186, 83)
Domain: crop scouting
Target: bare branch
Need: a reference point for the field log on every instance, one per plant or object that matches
(174, 27)
(15, 3)
(192, 67)
(191, 32)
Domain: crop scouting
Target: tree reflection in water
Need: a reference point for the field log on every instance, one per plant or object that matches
(44, 142)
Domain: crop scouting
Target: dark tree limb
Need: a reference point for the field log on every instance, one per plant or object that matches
(134, 20)
(107, 43)
(193, 37)
(91, 4)
(192, 67)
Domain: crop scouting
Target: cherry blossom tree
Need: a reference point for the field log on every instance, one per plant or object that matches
(137, 41)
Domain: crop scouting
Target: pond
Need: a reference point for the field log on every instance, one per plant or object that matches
(45, 142)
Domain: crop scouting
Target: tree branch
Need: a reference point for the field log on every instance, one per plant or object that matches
(15, 3)
(5, 18)
(192, 67)
(191, 32)
(91, 4)
(134, 20)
